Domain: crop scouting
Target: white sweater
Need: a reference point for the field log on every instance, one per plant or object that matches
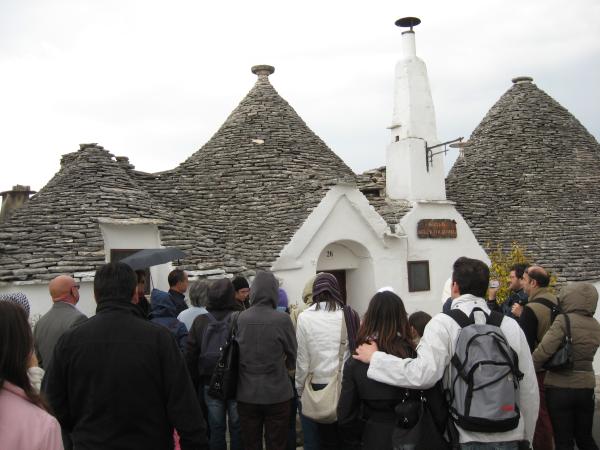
(318, 334)
(433, 356)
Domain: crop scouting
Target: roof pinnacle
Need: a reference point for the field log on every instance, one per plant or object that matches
(263, 70)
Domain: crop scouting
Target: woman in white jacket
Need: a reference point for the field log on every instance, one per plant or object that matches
(319, 336)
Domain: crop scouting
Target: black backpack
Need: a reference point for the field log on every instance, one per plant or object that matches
(214, 338)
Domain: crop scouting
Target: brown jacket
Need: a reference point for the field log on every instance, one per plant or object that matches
(579, 301)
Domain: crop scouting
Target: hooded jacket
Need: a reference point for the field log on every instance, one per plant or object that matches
(579, 301)
(267, 345)
(163, 311)
(220, 304)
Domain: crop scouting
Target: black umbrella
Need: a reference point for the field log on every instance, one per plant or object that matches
(152, 257)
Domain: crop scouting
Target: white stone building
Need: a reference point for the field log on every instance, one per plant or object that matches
(264, 193)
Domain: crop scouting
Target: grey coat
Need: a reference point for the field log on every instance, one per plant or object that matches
(268, 346)
(51, 327)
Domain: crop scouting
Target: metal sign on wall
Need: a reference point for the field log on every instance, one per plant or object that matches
(436, 229)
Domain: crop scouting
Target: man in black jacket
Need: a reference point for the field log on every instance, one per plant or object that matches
(119, 381)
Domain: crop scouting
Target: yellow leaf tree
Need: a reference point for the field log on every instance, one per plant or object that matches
(501, 264)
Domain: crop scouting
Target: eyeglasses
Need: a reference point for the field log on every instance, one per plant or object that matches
(76, 286)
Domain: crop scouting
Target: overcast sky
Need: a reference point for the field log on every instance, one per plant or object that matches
(154, 80)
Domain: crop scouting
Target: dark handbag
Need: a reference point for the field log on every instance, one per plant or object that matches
(563, 357)
(223, 382)
(415, 428)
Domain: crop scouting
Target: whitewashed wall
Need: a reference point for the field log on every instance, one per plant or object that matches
(346, 224)
(40, 301)
(134, 235)
(117, 235)
(441, 253)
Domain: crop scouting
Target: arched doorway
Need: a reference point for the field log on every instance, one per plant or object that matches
(352, 265)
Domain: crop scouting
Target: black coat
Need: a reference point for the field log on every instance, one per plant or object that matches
(366, 409)
(120, 382)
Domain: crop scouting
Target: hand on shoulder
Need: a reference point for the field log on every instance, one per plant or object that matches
(364, 352)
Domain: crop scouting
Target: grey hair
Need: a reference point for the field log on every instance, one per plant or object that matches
(199, 293)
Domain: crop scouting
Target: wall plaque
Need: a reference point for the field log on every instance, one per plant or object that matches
(436, 229)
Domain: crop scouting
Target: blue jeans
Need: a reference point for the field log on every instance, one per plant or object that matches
(490, 446)
(217, 421)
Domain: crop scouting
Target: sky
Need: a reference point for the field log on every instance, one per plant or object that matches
(154, 80)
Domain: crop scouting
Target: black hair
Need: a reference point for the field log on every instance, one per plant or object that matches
(114, 281)
(16, 345)
(418, 320)
(471, 275)
(519, 269)
(175, 276)
(240, 283)
(331, 304)
(538, 274)
(386, 322)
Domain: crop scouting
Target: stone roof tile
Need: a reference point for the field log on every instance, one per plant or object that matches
(531, 174)
(57, 231)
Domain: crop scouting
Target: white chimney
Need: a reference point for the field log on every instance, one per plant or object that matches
(408, 176)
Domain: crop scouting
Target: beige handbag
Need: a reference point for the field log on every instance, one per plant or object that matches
(321, 406)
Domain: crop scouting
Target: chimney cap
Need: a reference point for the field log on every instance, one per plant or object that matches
(18, 188)
(520, 80)
(262, 70)
(408, 22)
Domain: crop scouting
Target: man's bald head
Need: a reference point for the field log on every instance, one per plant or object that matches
(534, 278)
(64, 288)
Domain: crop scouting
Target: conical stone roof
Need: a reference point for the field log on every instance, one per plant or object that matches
(254, 183)
(531, 175)
(58, 230)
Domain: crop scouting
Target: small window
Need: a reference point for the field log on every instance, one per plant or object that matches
(418, 276)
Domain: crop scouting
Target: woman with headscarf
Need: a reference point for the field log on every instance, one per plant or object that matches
(319, 335)
(25, 421)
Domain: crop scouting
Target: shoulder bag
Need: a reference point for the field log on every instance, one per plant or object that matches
(321, 405)
(223, 382)
(416, 429)
(563, 357)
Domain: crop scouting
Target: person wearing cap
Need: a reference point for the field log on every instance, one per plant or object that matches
(319, 337)
(242, 291)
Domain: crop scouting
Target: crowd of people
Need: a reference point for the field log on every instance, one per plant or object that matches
(140, 374)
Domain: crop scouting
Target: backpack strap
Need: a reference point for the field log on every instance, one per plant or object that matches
(460, 317)
(210, 317)
(544, 301)
(495, 318)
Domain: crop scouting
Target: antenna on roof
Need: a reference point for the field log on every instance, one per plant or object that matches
(407, 22)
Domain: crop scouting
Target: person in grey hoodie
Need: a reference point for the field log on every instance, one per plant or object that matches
(267, 344)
